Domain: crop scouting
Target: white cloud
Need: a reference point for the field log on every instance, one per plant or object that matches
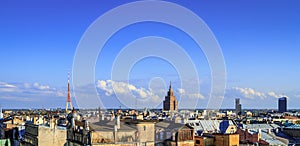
(105, 86)
(189, 95)
(110, 87)
(27, 91)
(180, 91)
(9, 86)
(250, 93)
(5, 87)
(273, 94)
(41, 87)
(31, 95)
(195, 95)
(60, 93)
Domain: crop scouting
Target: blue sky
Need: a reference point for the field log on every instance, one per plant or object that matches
(259, 41)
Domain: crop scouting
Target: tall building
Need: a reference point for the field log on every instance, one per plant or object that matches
(69, 96)
(238, 107)
(282, 104)
(170, 102)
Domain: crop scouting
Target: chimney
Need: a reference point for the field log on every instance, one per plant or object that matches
(55, 123)
(101, 117)
(51, 123)
(115, 134)
(112, 117)
(28, 118)
(38, 120)
(44, 120)
(34, 120)
(73, 123)
(259, 134)
(269, 131)
(174, 136)
(86, 125)
(117, 122)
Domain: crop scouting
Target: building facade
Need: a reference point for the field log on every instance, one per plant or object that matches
(217, 140)
(282, 104)
(39, 135)
(170, 102)
(173, 134)
(110, 132)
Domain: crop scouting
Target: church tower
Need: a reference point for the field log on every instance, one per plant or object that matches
(170, 102)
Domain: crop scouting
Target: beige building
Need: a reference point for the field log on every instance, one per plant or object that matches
(227, 139)
(39, 135)
(169, 133)
(106, 133)
(204, 141)
(217, 140)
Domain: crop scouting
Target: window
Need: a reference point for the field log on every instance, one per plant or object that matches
(161, 135)
(144, 128)
(197, 141)
(168, 134)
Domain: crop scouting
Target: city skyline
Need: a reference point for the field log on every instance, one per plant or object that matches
(259, 41)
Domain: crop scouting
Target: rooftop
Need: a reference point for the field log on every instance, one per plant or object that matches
(110, 126)
(296, 126)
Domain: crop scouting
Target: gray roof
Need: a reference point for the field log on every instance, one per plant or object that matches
(110, 125)
(168, 125)
(260, 126)
(296, 126)
(207, 125)
(270, 139)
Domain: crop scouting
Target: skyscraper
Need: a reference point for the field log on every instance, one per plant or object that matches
(238, 107)
(282, 104)
(170, 102)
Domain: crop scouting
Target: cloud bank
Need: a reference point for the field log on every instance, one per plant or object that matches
(251, 93)
(30, 95)
(37, 95)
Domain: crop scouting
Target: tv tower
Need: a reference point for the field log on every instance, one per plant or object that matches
(69, 95)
